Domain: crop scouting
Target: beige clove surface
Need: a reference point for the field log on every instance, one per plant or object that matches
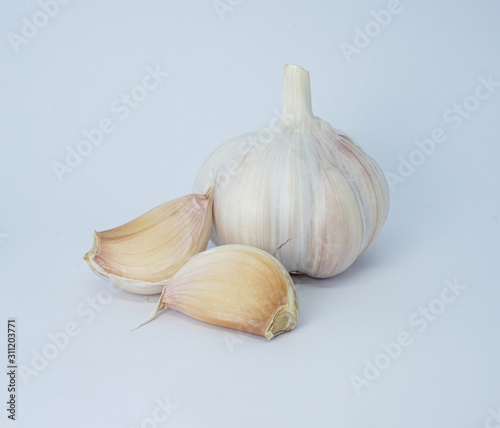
(141, 255)
(235, 286)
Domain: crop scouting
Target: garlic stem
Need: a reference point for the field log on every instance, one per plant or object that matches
(296, 108)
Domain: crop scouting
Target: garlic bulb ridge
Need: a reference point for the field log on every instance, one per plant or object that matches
(300, 183)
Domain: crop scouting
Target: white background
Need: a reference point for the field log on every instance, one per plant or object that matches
(225, 78)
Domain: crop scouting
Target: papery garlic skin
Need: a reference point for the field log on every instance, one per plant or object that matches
(299, 190)
(234, 286)
(141, 255)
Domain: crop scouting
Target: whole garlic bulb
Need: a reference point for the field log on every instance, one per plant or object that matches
(299, 190)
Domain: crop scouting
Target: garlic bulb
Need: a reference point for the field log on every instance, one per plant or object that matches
(235, 286)
(141, 255)
(299, 190)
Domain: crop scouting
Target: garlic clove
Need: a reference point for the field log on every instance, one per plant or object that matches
(141, 255)
(235, 286)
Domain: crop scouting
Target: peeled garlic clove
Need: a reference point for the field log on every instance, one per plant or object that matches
(234, 286)
(298, 182)
(141, 255)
